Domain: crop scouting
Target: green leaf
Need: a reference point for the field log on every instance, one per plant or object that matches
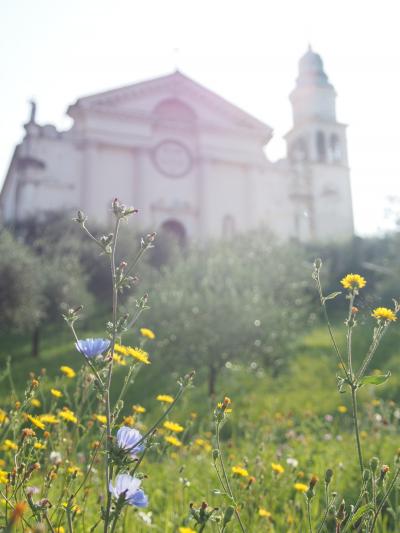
(361, 512)
(375, 380)
(331, 296)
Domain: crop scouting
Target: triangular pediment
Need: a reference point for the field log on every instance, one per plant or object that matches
(147, 97)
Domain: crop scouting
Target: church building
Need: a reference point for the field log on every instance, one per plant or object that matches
(190, 161)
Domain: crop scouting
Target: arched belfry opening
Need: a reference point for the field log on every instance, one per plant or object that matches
(335, 149)
(321, 147)
(176, 230)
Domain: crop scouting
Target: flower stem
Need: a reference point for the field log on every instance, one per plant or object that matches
(356, 429)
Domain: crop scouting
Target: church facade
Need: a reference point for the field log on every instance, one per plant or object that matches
(190, 161)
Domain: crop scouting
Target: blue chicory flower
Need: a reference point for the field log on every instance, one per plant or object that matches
(127, 438)
(92, 347)
(128, 487)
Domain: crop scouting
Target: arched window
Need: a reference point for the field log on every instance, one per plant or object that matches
(176, 229)
(334, 149)
(228, 227)
(321, 147)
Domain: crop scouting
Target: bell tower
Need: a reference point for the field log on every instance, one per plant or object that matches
(317, 153)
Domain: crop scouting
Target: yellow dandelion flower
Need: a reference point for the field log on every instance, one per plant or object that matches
(36, 421)
(36, 403)
(264, 513)
(148, 333)
(139, 354)
(165, 398)
(56, 393)
(120, 349)
(3, 417)
(101, 418)
(172, 426)
(3, 476)
(68, 371)
(203, 444)
(9, 445)
(39, 445)
(74, 470)
(59, 529)
(240, 471)
(186, 530)
(277, 468)
(48, 418)
(383, 313)
(300, 487)
(173, 440)
(353, 281)
(68, 415)
(138, 409)
(342, 409)
(119, 359)
(129, 421)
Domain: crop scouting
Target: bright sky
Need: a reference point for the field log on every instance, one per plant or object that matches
(245, 50)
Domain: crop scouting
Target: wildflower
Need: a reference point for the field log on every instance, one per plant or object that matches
(55, 458)
(165, 398)
(35, 421)
(39, 445)
(120, 349)
(186, 530)
(240, 471)
(383, 313)
(48, 419)
(300, 487)
(56, 393)
(68, 371)
(264, 513)
(59, 529)
(3, 476)
(138, 409)
(172, 426)
(3, 417)
(17, 513)
(36, 403)
(119, 359)
(68, 415)
(342, 409)
(203, 444)
(277, 468)
(146, 332)
(127, 439)
(173, 440)
(127, 488)
(100, 418)
(291, 461)
(28, 432)
(92, 347)
(129, 421)
(139, 354)
(74, 470)
(353, 281)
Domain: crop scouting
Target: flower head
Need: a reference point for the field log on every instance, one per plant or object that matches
(68, 415)
(165, 398)
(138, 409)
(353, 281)
(173, 426)
(56, 393)
(92, 347)
(139, 354)
(127, 438)
(100, 418)
(300, 487)
(68, 371)
(264, 513)
(127, 487)
(383, 313)
(173, 440)
(148, 333)
(342, 409)
(240, 471)
(48, 418)
(277, 468)
(36, 422)
(35, 402)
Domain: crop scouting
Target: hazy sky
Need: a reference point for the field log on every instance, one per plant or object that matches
(247, 51)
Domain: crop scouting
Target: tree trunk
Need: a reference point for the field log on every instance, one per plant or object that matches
(212, 380)
(35, 342)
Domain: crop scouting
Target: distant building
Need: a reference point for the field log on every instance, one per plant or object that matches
(190, 161)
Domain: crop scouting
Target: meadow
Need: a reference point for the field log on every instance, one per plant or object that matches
(269, 447)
